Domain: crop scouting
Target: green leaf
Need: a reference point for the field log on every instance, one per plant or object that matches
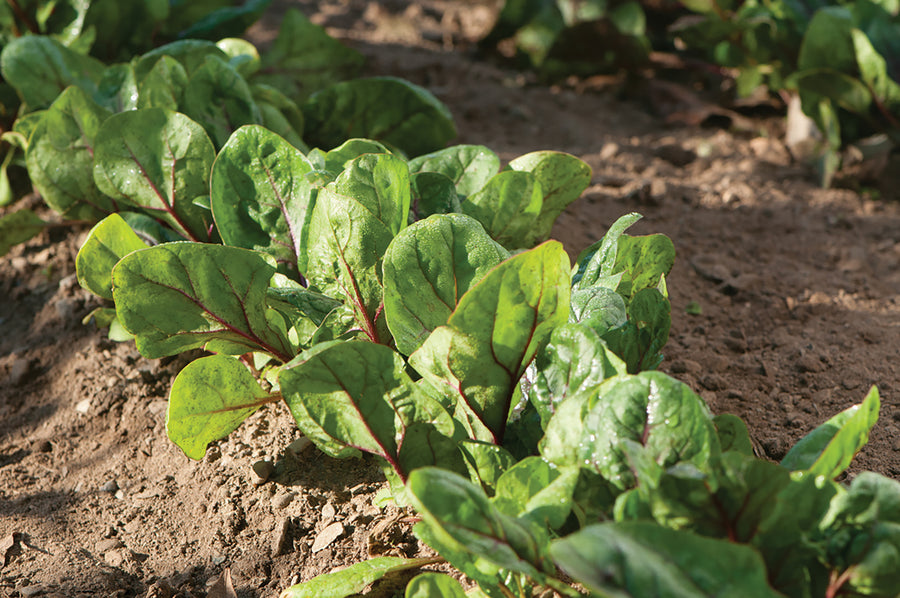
(118, 88)
(18, 227)
(280, 114)
(643, 559)
(844, 90)
(434, 585)
(470, 167)
(40, 68)
(599, 308)
(733, 434)
(180, 296)
(594, 266)
(218, 98)
(159, 161)
(660, 413)
(356, 396)
(390, 110)
(428, 267)
(209, 399)
(354, 579)
(486, 462)
(507, 207)
(874, 70)
(261, 198)
(349, 234)
(456, 510)
(562, 177)
(537, 490)
(497, 328)
(829, 449)
(242, 55)
(191, 53)
(226, 21)
(575, 361)
(643, 262)
(163, 86)
(432, 193)
(109, 241)
(330, 165)
(304, 59)
(60, 156)
(640, 340)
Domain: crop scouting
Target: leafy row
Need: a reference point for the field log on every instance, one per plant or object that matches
(98, 139)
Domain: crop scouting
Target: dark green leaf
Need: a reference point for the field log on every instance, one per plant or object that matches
(427, 269)
(159, 161)
(536, 490)
(180, 296)
(386, 109)
(191, 53)
(643, 559)
(432, 193)
(470, 167)
(507, 207)
(261, 198)
(226, 21)
(164, 85)
(494, 333)
(594, 266)
(60, 156)
(486, 462)
(218, 98)
(733, 434)
(640, 340)
(18, 227)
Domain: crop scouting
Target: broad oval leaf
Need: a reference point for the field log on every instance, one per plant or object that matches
(507, 206)
(60, 156)
(40, 68)
(18, 227)
(829, 449)
(159, 161)
(261, 198)
(386, 109)
(218, 98)
(354, 579)
(537, 490)
(470, 167)
(428, 267)
(191, 53)
(180, 296)
(497, 328)
(164, 85)
(209, 399)
(380, 182)
(109, 241)
(637, 559)
(563, 178)
(594, 266)
(356, 395)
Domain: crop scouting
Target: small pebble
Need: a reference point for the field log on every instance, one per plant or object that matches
(283, 500)
(107, 545)
(328, 512)
(28, 591)
(263, 470)
(83, 406)
(282, 539)
(299, 445)
(327, 536)
(109, 486)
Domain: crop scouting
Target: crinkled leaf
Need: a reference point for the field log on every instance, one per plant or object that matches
(109, 241)
(358, 397)
(432, 193)
(434, 585)
(163, 86)
(191, 53)
(60, 156)
(829, 449)
(329, 165)
(640, 340)
(642, 261)
(497, 328)
(159, 161)
(304, 59)
(280, 114)
(349, 234)
(638, 559)
(453, 506)
(386, 109)
(218, 98)
(209, 399)
(428, 267)
(150, 230)
(575, 361)
(660, 413)
(537, 490)
(486, 462)
(470, 167)
(118, 89)
(563, 178)
(599, 308)
(261, 198)
(594, 266)
(180, 296)
(354, 579)
(18, 227)
(507, 207)
(40, 68)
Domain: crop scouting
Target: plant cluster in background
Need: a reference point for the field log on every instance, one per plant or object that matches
(86, 131)
(842, 58)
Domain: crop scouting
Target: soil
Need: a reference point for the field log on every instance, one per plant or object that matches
(796, 288)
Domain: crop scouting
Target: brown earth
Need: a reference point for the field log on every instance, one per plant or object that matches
(797, 289)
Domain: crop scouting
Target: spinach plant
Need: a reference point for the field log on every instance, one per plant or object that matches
(99, 139)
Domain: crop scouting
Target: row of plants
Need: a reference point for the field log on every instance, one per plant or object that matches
(840, 57)
(414, 310)
(72, 104)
